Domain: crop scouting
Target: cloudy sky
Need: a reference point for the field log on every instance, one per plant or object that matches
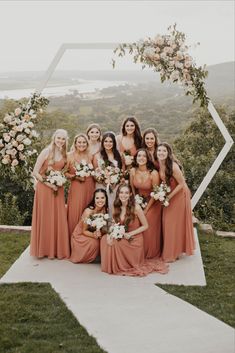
(32, 31)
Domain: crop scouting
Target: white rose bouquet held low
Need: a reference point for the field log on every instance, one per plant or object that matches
(55, 177)
(97, 221)
(84, 169)
(117, 232)
(160, 193)
(141, 200)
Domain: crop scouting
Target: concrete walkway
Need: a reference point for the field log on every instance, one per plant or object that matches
(131, 315)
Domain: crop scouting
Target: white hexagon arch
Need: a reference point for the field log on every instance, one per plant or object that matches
(100, 46)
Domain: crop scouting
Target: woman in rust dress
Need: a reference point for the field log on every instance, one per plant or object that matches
(85, 242)
(178, 237)
(128, 142)
(142, 179)
(49, 235)
(81, 188)
(126, 256)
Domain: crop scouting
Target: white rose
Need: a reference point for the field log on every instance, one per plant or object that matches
(14, 162)
(5, 161)
(188, 64)
(19, 128)
(20, 147)
(27, 141)
(149, 52)
(17, 111)
(6, 137)
(7, 118)
(20, 138)
(30, 124)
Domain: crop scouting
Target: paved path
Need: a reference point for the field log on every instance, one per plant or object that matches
(129, 314)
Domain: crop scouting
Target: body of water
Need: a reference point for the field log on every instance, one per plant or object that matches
(83, 87)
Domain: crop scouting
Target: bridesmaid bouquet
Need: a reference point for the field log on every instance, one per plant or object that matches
(128, 158)
(160, 193)
(141, 200)
(55, 177)
(117, 231)
(97, 221)
(84, 169)
(108, 175)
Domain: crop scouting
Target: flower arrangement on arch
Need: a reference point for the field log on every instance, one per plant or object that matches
(168, 55)
(17, 133)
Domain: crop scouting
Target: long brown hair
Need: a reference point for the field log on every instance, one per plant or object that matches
(169, 161)
(153, 131)
(149, 163)
(130, 208)
(137, 132)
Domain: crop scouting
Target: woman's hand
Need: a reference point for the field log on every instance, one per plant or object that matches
(127, 235)
(97, 234)
(53, 187)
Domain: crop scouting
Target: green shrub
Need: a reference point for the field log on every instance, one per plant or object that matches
(9, 211)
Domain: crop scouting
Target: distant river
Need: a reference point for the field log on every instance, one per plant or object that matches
(84, 87)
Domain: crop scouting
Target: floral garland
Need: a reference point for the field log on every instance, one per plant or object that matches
(17, 134)
(168, 55)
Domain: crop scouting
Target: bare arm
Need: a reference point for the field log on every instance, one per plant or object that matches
(68, 166)
(132, 174)
(143, 221)
(178, 175)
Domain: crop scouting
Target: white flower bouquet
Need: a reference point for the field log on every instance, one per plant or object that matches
(160, 193)
(141, 200)
(55, 177)
(116, 231)
(109, 175)
(97, 221)
(128, 158)
(84, 169)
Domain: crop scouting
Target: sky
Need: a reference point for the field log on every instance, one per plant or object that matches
(31, 32)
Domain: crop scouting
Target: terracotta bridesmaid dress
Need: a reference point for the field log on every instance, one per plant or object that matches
(126, 257)
(152, 236)
(178, 236)
(49, 234)
(79, 196)
(83, 248)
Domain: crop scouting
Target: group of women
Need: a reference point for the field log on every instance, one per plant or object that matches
(154, 234)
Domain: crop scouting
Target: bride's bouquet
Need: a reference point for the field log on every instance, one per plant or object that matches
(109, 175)
(84, 169)
(55, 177)
(141, 200)
(160, 193)
(97, 221)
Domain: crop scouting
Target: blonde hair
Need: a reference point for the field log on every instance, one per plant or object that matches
(51, 157)
(74, 148)
(94, 126)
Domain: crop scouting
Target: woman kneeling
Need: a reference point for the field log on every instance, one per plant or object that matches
(122, 250)
(85, 240)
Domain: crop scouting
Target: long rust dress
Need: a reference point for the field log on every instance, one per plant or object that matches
(84, 249)
(49, 234)
(126, 257)
(178, 236)
(152, 236)
(79, 196)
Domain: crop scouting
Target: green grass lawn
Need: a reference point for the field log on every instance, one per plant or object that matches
(217, 298)
(33, 318)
